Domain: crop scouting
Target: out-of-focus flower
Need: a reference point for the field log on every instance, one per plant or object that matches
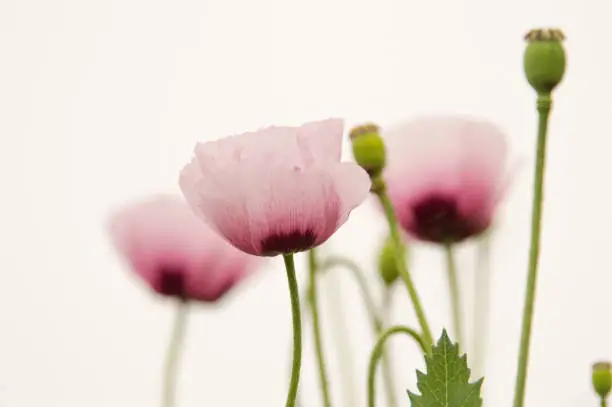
(445, 176)
(174, 252)
(275, 191)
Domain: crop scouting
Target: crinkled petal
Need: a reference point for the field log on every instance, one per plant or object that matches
(189, 179)
(321, 140)
(264, 144)
(295, 201)
(352, 184)
(219, 199)
(282, 146)
(278, 180)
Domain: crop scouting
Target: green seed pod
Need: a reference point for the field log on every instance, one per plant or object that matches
(368, 148)
(544, 59)
(602, 378)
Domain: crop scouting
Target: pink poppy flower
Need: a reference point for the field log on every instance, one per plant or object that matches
(174, 252)
(277, 190)
(445, 176)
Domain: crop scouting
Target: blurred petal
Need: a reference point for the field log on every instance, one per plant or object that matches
(453, 163)
(174, 252)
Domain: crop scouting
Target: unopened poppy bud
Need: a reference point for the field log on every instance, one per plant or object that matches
(387, 266)
(544, 59)
(368, 148)
(602, 378)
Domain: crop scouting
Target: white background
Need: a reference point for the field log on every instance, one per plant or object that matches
(101, 102)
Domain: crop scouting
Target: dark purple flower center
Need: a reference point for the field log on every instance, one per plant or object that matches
(292, 242)
(438, 219)
(171, 282)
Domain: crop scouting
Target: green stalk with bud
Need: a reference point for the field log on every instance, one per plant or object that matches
(544, 64)
(387, 270)
(370, 154)
(602, 380)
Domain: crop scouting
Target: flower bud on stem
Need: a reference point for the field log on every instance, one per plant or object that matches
(369, 148)
(544, 68)
(369, 152)
(400, 263)
(387, 268)
(602, 380)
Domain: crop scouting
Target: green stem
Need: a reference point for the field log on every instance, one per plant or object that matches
(482, 292)
(173, 354)
(377, 322)
(303, 306)
(364, 288)
(340, 333)
(316, 325)
(455, 293)
(401, 263)
(387, 368)
(603, 402)
(377, 353)
(543, 103)
(297, 330)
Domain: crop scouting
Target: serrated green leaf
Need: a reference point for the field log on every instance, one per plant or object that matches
(447, 381)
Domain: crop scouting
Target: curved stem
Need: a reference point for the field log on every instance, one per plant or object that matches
(455, 294)
(297, 330)
(401, 264)
(340, 329)
(387, 368)
(173, 354)
(603, 402)
(482, 292)
(377, 352)
(368, 299)
(316, 325)
(377, 322)
(543, 104)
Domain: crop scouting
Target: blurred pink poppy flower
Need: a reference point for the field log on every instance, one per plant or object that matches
(275, 191)
(174, 252)
(445, 176)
